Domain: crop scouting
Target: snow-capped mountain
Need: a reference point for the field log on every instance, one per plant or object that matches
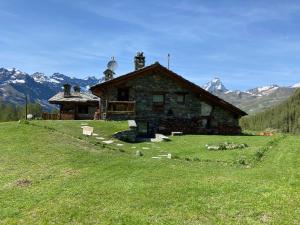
(40, 77)
(253, 100)
(14, 84)
(215, 85)
(56, 80)
(296, 85)
(265, 90)
(12, 76)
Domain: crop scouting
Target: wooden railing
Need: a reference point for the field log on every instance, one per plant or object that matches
(50, 116)
(121, 107)
(67, 116)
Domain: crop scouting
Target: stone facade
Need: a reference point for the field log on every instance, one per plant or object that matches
(182, 109)
(75, 105)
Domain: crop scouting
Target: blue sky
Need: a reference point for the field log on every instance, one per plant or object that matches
(245, 43)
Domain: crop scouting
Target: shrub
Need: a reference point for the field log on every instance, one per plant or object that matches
(259, 154)
(175, 157)
(23, 122)
(242, 161)
(226, 146)
(49, 128)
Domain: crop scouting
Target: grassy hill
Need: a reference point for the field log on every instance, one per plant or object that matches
(51, 174)
(284, 117)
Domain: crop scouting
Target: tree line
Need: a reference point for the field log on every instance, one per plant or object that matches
(284, 117)
(11, 112)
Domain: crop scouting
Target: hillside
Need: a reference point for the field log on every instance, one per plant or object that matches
(253, 100)
(284, 117)
(51, 174)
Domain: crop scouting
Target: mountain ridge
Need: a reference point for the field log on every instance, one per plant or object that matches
(252, 100)
(14, 84)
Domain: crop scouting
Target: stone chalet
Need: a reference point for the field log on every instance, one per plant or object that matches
(75, 105)
(161, 101)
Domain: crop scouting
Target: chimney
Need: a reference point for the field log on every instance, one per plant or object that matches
(67, 90)
(139, 61)
(108, 74)
(76, 89)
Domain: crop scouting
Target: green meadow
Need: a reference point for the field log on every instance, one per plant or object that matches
(51, 174)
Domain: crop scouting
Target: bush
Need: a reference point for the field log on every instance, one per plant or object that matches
(175, 157)
(226, 146)
(23, 122)
(242, 161)
(259, 154)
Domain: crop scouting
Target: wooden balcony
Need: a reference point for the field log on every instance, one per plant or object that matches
(67, 116)
(121, 107)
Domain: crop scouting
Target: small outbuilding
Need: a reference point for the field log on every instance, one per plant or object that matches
(76, 105)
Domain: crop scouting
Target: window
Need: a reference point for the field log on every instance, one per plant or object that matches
(180, 98)
(83, 109)
(123, 94)
(158, 99)
(67, 108)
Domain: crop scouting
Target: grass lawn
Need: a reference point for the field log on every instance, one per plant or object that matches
(51, 174)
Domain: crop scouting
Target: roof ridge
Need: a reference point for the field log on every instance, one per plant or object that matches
(195, 88)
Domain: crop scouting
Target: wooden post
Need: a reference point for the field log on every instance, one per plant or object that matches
(60, 108)
(75, 111)
(100, 115)
(106, 105)
(26, 106)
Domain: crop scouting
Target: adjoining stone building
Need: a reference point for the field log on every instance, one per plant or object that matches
(161, 101)
(75, 105)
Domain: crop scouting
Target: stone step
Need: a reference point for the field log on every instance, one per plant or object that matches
(176, 133)
(108, 142)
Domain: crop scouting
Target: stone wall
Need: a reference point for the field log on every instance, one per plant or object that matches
(194, 116)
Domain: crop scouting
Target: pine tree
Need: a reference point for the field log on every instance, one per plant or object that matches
(284, 117)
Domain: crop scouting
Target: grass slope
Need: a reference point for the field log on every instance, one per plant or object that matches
(50, 174)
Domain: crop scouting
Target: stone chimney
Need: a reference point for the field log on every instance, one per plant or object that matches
(139, 61)
(67, 90)
(76, 89)
(108, 74)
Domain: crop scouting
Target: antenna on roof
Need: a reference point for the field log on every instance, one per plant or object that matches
(168, 60)
(110, 71)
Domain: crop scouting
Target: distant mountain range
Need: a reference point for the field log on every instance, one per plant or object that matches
(284, 117)
(253, 100)
(39, 87)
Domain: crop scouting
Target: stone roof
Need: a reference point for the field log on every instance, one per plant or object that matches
(205, 95)
(74, 97)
